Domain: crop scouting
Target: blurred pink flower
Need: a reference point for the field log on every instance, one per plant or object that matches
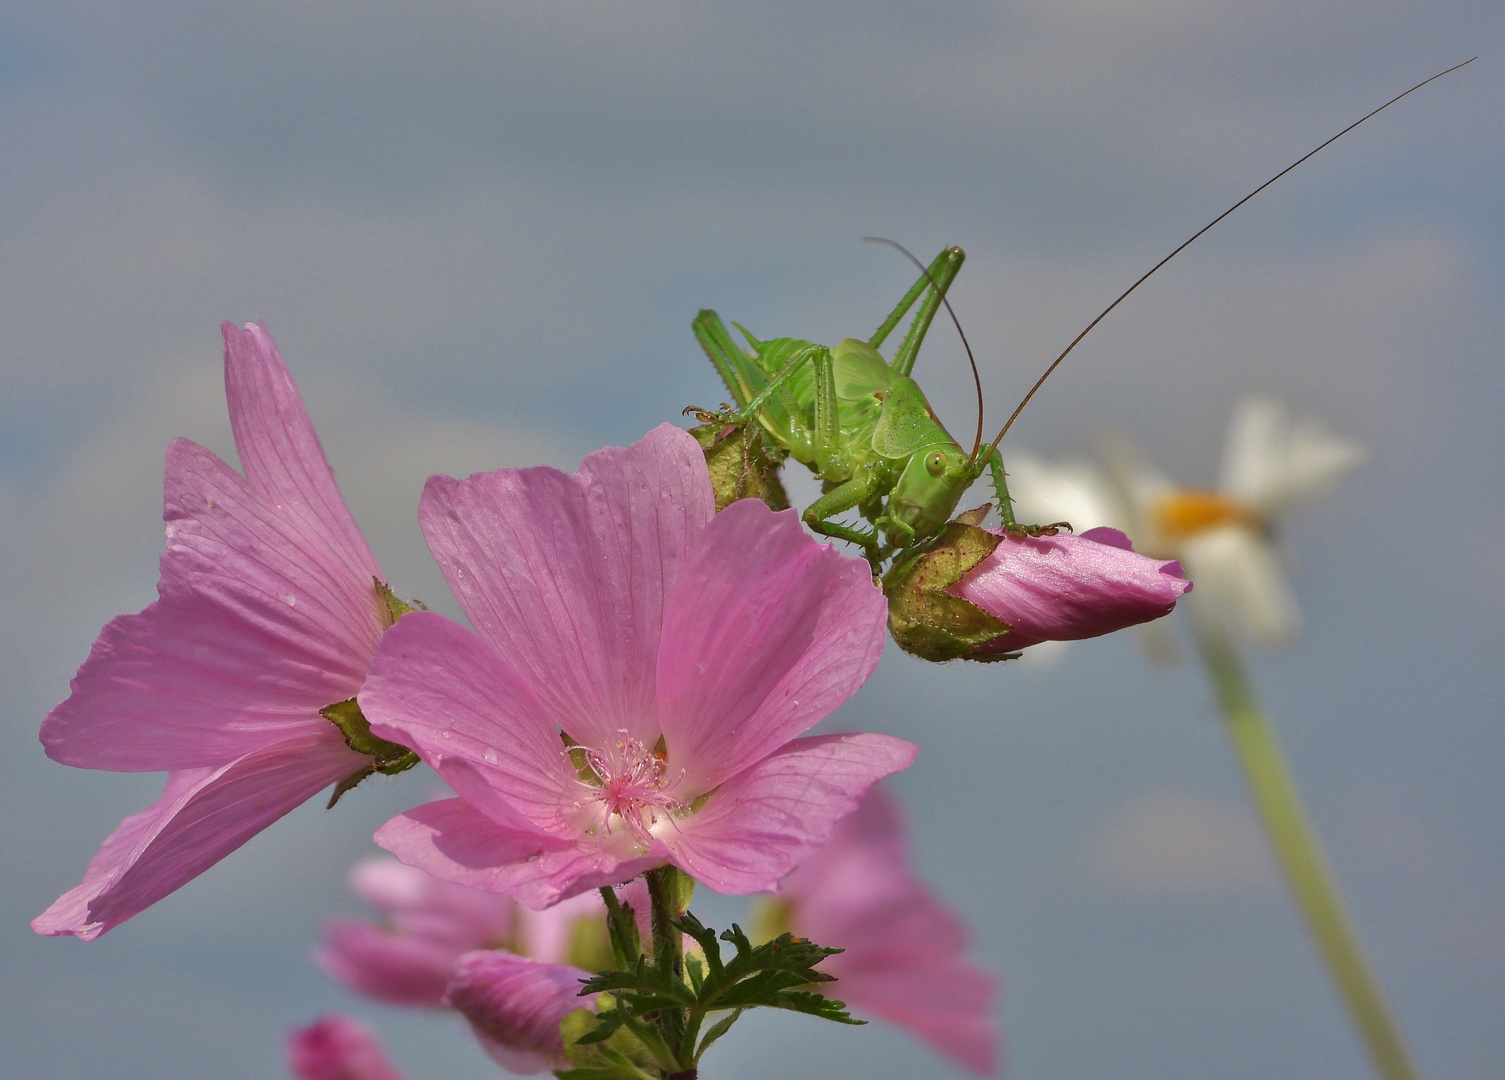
(268, 612)
(1064, 588)
(338, 1048)
(429, 925)
(679, 651)
(515, 1004)
(903, 960)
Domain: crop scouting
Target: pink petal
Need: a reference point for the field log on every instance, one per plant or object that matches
(279, 451)
(399, 969)
(944, 1000)
(454, 841)
(421, 906)
(268, 608)
(766, 632)
(338, 1048)
(548, 935)
(566, 575)
(515, 1004)
(251, 637)
(440, 689)
(1063, 588)
(903, 960)
(764, 821)
(202, 816)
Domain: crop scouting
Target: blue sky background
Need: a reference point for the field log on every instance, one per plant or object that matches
(479, 232)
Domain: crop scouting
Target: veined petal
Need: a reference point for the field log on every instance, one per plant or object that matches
(279, 451)
(202, 816)
(761, 823)
(438, 688)
(1064, 588)
(337, 1048)
(565, 575)
(903, 957)
(515, 1004)
(256, 630)
(766, 632)
(456, 842)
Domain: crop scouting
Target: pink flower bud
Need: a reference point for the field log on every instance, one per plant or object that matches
(1064, 588)
(337, 1048)
(515, 1004)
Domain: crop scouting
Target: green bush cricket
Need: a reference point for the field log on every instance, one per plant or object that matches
(862, 424)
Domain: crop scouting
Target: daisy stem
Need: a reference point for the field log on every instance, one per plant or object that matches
(1302, 859)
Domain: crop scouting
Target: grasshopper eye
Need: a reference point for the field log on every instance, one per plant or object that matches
(935, 463)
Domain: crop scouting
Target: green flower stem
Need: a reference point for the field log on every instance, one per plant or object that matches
(669, 953)
(1300, 855)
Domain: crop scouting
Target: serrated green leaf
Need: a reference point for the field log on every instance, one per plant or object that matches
(715, 1031)
(817, 1005)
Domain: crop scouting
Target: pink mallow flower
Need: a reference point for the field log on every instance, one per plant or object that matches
(338, 1048)
(268, 612)
(1065, 587)
(429, 924)
(903, 958)
(641, 669)
(515, 1005)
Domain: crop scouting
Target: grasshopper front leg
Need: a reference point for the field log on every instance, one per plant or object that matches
(838, 500)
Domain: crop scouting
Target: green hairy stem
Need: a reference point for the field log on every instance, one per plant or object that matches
(1300, 855)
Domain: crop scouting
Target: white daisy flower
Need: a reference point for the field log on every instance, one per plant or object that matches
(1272, 463)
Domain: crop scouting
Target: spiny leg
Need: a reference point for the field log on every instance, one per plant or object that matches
(838, 500)
(1006, 505)
(724, 353)
(936, 279)
(832, 462)
(1001, 489)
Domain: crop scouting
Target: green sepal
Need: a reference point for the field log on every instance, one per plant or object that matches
(387, 758)
(393, 607)
(741, 463)
(603, 1045)
(926, 620)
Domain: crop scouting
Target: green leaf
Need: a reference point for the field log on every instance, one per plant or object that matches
(715, 1031)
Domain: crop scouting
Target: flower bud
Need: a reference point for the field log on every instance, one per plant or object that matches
(515, 1006)
(337, 1048)
(984, 594)
(741, 467)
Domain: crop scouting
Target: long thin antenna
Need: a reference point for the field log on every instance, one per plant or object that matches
(976, 378)
(1057, 362)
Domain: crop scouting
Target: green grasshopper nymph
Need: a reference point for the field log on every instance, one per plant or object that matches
(861, 422)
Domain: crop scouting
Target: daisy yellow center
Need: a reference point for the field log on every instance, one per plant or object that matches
(1186, 513)
(629, 783)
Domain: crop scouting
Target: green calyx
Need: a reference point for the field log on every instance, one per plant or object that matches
(741, 466)
(387, 758)
(392, 607)
(923, 617)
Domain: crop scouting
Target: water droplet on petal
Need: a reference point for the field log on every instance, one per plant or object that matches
(290, 600)
(490, 757)
(444, 734)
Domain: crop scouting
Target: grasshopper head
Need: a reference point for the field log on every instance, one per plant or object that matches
(933, 481)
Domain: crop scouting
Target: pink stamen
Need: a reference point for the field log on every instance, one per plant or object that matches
(632, 782)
